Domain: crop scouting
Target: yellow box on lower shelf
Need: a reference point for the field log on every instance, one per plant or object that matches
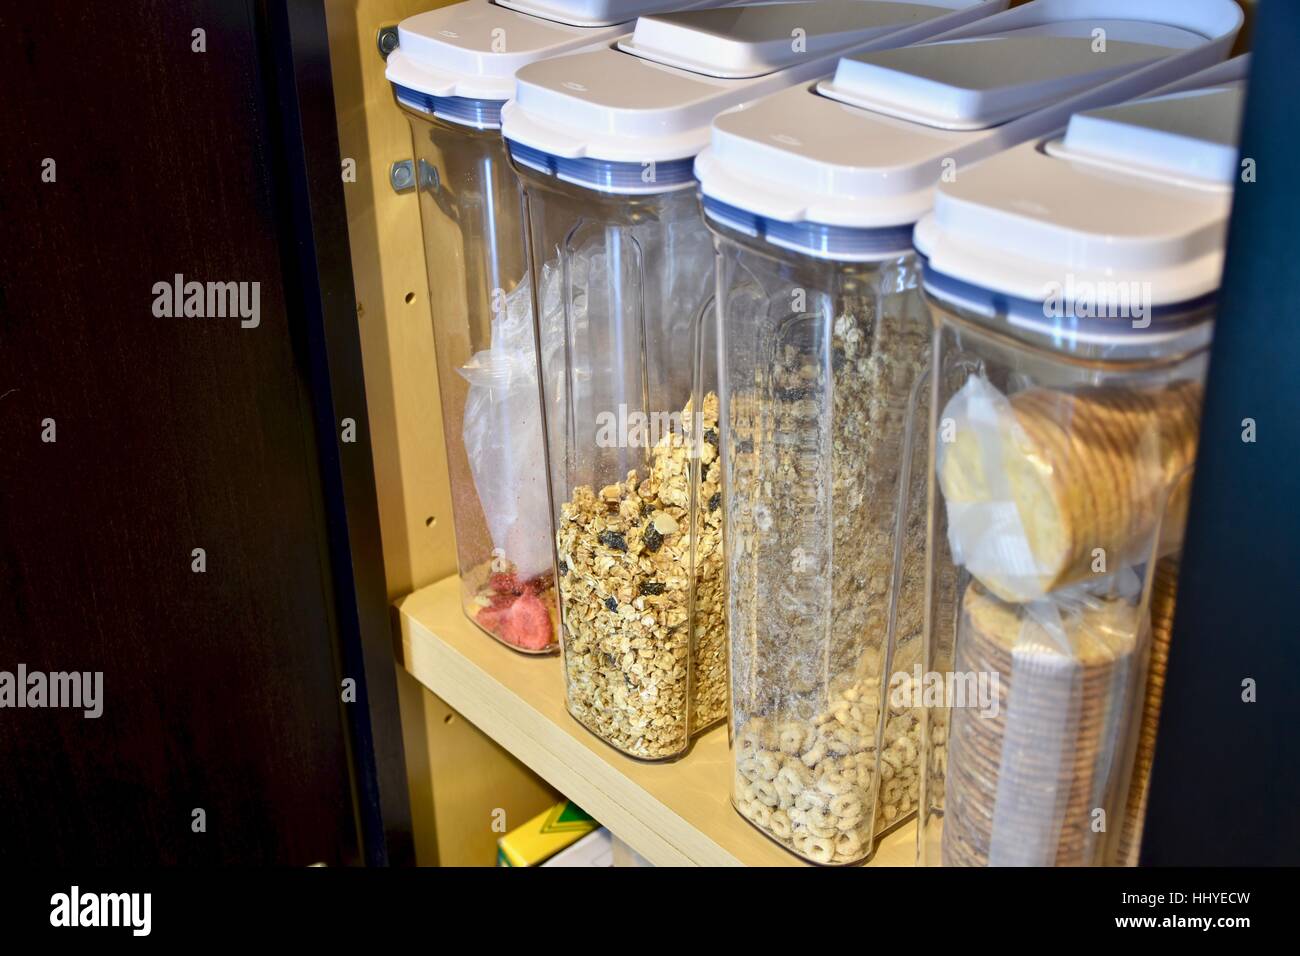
(545, 835)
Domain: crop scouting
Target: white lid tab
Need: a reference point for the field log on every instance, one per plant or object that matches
(1188, 137)
(748, 41)
(984, 81)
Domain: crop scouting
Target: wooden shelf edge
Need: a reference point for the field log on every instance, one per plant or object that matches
(673, 814)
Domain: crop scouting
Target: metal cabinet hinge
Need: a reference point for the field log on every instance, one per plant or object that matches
(401, 176)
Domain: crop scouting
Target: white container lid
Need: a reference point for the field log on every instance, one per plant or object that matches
(651, 98)
(1133, 198)
(749, 41)
(473, 49)
(865, 149)
(986, 81)
(588, 13)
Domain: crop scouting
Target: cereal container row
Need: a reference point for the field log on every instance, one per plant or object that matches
(812, 194)
(782, 383)
(604, 142)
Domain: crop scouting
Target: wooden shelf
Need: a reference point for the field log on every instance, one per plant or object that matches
(673, 814)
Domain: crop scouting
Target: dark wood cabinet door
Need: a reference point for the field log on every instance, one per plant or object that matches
(1226, 782)
(173, 488)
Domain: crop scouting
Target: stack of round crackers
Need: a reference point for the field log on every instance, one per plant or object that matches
(1023, 783)
(1164, 592)
(1086, 469)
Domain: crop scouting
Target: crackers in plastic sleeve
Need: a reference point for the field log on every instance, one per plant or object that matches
(1025, 778)
(1040, 485)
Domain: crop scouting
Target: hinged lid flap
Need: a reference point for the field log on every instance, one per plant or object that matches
(734, 42)
(981, 82)
(1190, 135)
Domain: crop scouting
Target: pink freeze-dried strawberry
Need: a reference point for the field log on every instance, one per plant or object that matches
(504, 582)
(502, 601)
(528, 624)
(492, 618)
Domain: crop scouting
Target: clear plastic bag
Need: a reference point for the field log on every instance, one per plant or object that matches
(1048, 487)
(503, 430)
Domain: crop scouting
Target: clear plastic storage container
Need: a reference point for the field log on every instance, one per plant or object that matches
(603, 142)
(812, 194)
(1072, 283)
(452, 71)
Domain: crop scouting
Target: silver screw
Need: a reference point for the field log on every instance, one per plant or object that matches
(386, 41)
(401, 176)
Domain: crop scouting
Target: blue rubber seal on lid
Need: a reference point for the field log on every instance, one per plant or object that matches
(605, 175)
(461, 110)
(1069, 323)
(815, 239)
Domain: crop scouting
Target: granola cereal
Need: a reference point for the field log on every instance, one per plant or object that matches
(642, 613)
(816, 452)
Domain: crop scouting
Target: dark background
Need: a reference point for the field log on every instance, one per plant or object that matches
(222, 689)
